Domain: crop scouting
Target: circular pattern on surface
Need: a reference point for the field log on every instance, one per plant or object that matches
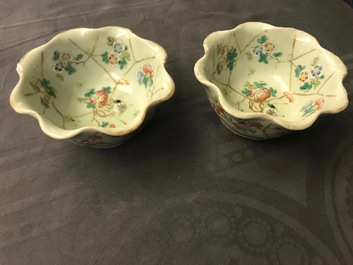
(220, 225)
(288, 252)
(255, 235)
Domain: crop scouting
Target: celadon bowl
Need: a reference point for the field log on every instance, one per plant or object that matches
(95, 87)
(265, 81)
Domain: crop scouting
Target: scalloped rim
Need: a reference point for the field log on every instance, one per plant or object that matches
(56, 132)
(243, 115)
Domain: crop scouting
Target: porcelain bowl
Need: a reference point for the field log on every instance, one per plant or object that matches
(265, 81)
(95, 87)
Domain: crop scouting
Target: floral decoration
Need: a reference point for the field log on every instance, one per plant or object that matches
(227, 55)
(310, 78)
(65, 62)
(257, 93)
(120, 54)
(312, 106)
(265, 49)
(96, 99)
(145, 76)
(43, 87)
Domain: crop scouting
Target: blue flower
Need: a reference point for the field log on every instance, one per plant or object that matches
(140, 76)
(317, 71)
(119, 47)
(257, 49)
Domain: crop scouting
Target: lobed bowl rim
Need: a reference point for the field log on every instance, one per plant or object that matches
(55, 131)
(300, 125)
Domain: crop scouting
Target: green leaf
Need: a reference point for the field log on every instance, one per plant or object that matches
(69, 68)
(56, 56)
(90, 105)
(90, 93)
(231, 58)
(246, 92)
(110, 41)
(145, 80)
(298, 69)
(105, 124)
(273, 92)
(105, 57)
(78, 57)
(315, 81)
(322, 77)
(306, 86)
(60, 76)
(48, 88)
(44, 104)
(122, 63)
(125, 55)
(263, 58)
(277, 54)
(151, 81)
(249, 86)
(262, 39)
(260, 84)
(250, 56)
(106, 89)
(315, 61)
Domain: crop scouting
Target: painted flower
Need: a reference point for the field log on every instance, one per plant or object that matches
(218, 109)
(259, 95)
(254, 124)
(319, 103)
(147, 69)
(66, 56)
(226, 48)
(46, 98)
(58, 67)
(91, 139)
(317, 71)
(257, 49)
(288, 96)
(99, 98)
(140, 76)
(269, 47)
(112, 126)
(119, 47)
(303, 76)
(113, 59)
(145, 76)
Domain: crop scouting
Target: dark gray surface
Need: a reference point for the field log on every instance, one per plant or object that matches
(185, 190)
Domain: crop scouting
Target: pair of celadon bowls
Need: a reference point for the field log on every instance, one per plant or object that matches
(99, 87)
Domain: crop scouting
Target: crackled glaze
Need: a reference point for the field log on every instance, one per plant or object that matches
(265, 81)
(92, 86)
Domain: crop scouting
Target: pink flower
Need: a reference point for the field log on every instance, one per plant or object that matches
(260, 94)
(218, 109)
(113, 59)
(303, 76)
(319, 103)
(147, 69)
(288, 96)
(112, 126)
(99, 98)
(66, 56)
(269, 47)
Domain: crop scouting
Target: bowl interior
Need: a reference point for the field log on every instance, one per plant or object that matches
(280, 72)
(93, 78)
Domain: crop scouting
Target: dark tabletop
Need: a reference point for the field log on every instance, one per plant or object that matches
(185, 190)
